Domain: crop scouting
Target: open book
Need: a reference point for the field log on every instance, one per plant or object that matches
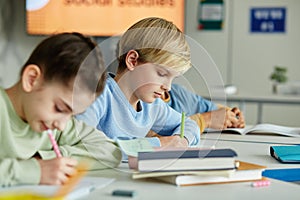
(82, 189)
(262, 129)
(76, 187)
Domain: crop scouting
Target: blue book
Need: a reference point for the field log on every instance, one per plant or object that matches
(290, 175)
(286, 154)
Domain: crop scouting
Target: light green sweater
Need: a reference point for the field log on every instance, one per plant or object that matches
(19, 143)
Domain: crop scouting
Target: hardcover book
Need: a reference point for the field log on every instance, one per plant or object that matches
(286, 154)
(187, 159)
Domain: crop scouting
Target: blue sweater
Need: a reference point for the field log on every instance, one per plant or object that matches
(112, 113)
(182, 99)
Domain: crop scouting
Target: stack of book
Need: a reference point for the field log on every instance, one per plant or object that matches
(195, 166)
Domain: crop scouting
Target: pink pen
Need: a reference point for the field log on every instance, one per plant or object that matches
(54, 144)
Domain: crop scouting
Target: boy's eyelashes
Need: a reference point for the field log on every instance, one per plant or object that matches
(60, 109)
(161, 74)
(61, 106)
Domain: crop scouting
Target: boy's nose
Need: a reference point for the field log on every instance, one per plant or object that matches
(167, 85)
(60, 124)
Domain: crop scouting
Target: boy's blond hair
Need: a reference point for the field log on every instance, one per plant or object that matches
(157, 41)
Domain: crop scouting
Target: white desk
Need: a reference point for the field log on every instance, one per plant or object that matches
(256, 152)
(251, 148)
(151, 189)
(260, 100)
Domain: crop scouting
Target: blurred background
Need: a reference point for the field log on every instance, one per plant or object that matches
(245, 39)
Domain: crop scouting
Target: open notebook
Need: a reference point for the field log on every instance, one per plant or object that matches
(83, 188)
(269, 129)
(76, 187)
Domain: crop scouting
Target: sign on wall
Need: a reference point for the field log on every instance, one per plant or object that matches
(268, 20)
(210, 14)
(97, 17)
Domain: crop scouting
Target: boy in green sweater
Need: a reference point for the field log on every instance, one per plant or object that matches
(61, 78)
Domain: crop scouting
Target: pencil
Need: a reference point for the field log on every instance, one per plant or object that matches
(182, 125)
(54, 144)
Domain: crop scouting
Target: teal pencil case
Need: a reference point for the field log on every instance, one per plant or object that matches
(286, 154)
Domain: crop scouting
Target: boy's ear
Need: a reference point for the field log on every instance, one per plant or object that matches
(31, 77)
(132, 59)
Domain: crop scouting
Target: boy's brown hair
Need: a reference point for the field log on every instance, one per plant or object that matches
(64, 56)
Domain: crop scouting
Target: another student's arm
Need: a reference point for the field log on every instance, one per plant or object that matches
(240, 116)
(200, 120)
(220, 119)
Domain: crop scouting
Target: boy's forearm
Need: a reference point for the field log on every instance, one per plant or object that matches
(15, 172)
(102, 156)
(201, 120)
(95, 146)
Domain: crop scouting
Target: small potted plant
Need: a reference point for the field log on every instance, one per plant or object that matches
(278, 77)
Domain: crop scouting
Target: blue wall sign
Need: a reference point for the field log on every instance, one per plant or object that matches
(268, 20)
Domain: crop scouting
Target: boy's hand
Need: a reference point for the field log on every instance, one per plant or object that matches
(224, 118)
(173, 141)
(217, 119)
(240, 118)
(133, 162)
(57, 171)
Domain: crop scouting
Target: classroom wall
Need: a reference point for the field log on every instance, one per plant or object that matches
(242, 58)
(15, 44)
(247, 59)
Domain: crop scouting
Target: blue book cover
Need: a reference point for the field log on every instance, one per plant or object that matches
(290, 175)
(286, 154)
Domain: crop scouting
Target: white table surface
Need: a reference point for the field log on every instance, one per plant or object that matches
(251, 148)
(256, 152)
(154, 190)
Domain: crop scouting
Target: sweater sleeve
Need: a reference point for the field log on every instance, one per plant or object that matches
(87, 144)
(191, 132)
(15, 171)
(168, 122)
